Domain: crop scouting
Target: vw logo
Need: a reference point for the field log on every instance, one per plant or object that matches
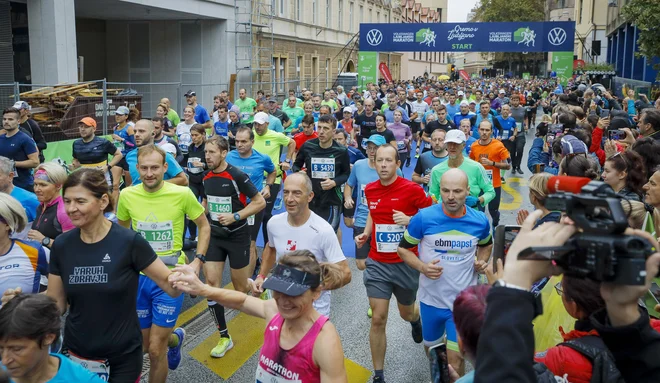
(374, 37)
(557, 36)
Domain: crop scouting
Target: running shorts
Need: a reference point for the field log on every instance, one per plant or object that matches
(330, 213)
(236, 247)
(435, 322)
(384, 279)
(154, 306)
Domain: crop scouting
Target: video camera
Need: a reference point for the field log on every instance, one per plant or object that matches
(600, 251)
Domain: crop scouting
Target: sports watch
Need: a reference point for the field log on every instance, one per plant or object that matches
(201, 257)
(46, 241)
(237, 217)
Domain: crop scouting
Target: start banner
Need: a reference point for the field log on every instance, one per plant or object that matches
(552, 36)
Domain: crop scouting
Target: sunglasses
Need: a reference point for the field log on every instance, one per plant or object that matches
(559, 289)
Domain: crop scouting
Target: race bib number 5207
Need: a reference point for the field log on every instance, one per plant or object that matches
(388, 237)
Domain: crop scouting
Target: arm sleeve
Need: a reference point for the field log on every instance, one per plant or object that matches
(423, 200)
(205, 116)
(130, 140)
(142, 254)
(122, 211)
(38, 135)
(344, 169)
(109, 148)
(332, 248)
(54, 264)
(352, 178)
(29, 145)
(414, 232)
(596, 139)
(299, 162)
(504, 153)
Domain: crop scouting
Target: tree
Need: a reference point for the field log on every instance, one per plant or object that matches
(645, 14)
(512, 11)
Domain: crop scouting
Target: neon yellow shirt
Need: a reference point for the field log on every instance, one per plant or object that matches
(270, 144)
(159, 217)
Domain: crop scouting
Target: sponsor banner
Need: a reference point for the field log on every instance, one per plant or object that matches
(367, 68)
(463, 74)
(562, 65)
(385, 71)
(554, 36)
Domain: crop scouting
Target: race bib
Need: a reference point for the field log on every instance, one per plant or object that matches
(192, 168)
(245, 116)
(363, 197)
(218, 205)
(489, 173)
(160, 235)
(98, 367)
(401, 145)
(264, 376)
(519, 126)
(250, 220)
(388, 237)
(119, 145)
(364, 143)
(505, 134)
(323, 168)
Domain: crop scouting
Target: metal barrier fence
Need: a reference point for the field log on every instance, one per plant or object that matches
(7, 92)
(151, 94)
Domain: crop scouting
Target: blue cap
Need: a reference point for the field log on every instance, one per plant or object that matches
(377, 139)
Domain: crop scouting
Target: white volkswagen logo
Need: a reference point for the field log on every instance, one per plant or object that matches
(374, 37)
(557, 36)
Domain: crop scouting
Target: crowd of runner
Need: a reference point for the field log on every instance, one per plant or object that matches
(118, 236)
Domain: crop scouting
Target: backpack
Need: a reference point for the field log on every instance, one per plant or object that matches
(603, 367)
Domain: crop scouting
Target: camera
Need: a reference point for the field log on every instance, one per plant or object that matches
(600, 251)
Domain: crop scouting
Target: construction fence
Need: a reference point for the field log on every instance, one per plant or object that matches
(58, 107)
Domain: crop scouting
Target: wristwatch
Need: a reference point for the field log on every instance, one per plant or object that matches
(201, 257)
(501, 283)
(237, 217)
(46, 241)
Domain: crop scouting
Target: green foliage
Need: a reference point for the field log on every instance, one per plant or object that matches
(598, 67)
(511, 10)
(645, 14)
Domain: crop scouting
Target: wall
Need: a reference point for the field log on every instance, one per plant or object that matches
(90, 37)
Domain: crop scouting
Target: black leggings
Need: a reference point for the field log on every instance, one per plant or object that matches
(198, 190)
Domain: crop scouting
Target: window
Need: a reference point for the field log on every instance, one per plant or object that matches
(314, 12)
(299, 67)
(282, 73)
(341, 15)
(339, 65)
(361, 19)
(282, 2)
(327, 72)
(299, 5)
(350, 16)
(315, 73)
(327, 13)
(378, 17)
(371, 13)
(273, 72)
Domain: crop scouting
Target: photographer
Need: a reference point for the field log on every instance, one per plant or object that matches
(538, 157)
(506, 343)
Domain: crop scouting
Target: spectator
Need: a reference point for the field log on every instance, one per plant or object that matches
(625, 173)
(28, 200)
(538, 158)
(20, 148)
(31, 127)
(538, 192)
(649, 149)
(649, 123)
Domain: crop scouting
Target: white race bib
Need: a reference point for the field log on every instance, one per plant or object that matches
(192, 168)
(363, 198)
(245, 116)
(98, 367)
(264, 376)
(401, 145)
(323, 168)
(218, 205)
(489, 173)
(388, 237)
(160, 235)
(505, 134)
(519, 126)
(364, 143)
(250, 220)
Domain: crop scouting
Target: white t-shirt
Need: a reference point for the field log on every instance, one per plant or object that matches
(183, 133)
(316, 235)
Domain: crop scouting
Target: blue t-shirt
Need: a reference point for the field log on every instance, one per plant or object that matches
(173, 168)
(201, 115)
(28, 200)
(256, 166)
(275, 124)
(354, 155)
(17, 148)
(361, 175)
(389, 114)
(508, 127)
(72, 372)
(468, 145)
(452, 110)
(221, 128)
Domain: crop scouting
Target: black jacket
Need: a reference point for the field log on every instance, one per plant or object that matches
(31, 128)
(635, 347)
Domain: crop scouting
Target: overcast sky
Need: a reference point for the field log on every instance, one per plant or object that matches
(458, 10)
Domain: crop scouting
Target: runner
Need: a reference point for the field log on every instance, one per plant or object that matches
(195, 169)
(392, 200)
(247, 107)
(402, 136)
(299, 228)
(294, 110)
(505, 127)
(144, 135)
(420, 107)
(363, 173)
(226, 191)
(448, 236)
(271, 144)
(308, 133)
(221, 122)
(26, 343)
(328, 166)
(165, 142)
(31, 127)
(365, 123)
(518, 113)
(20, 148)
(481, 188)
(183, 131)
(300, 345)
(201, 115)
(157, 210)
(172, 115)
(442, 122)
(381, 129)
(23, 264)
(427, 161)
(124, 139)
(255, 165)
(275, 111)
(90, 151)
(28, 200)
(467, 130)
(494, 157)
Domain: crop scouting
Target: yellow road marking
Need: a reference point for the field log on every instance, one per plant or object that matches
(247, 333)
(356, 373)
(197, 309)
(517, 198)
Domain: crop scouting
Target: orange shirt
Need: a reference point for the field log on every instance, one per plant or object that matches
(495, 151)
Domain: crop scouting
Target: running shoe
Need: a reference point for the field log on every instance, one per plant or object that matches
(417, 155)
(417, 332)
(370, 313)
(224, 345)
(174, 353)
(378, 379)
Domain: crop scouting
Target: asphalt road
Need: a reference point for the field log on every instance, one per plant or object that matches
(405, 361)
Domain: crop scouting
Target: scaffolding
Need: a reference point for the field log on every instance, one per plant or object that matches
(254, 43)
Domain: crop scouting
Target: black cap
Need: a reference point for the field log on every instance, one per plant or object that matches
(290, 281)
(190, 93)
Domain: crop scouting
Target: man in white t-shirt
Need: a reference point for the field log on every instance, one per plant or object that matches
(301, 229)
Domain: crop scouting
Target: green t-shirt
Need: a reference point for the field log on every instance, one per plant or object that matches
(294, 114)
(246, 107)
(477, 179)
(331, 103)
(160, 217)
(173, 116)
(270, 144)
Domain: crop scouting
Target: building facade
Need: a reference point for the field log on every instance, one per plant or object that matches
(416, 64)
(590, 35)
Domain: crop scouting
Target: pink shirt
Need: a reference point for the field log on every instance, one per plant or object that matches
(277, 365)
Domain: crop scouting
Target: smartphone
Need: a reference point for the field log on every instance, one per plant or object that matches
(605, 113)
(616, 134)
(652, 298)
(556, 128)
(439, 364)
(504, 236)
(549, 138)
